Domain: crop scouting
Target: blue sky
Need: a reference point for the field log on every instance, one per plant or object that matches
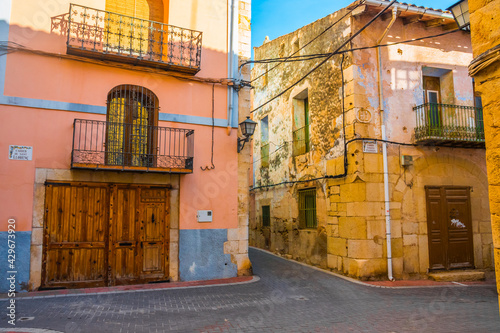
(275, 18)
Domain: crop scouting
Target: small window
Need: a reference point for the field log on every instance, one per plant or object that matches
(301, 125)
(264, 145)
(266, 216)
(307, 208)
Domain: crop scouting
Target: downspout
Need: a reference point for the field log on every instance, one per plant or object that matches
(232, 92)
(384, 148)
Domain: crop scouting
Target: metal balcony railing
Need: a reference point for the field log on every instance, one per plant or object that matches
(131, 147)
(105, 35)
(301, 144)
(449, 124)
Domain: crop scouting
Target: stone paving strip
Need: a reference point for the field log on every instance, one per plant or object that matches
(132, 288)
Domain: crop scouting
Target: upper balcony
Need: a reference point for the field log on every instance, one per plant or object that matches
(103, 145)
(105, 35)
(451, 125)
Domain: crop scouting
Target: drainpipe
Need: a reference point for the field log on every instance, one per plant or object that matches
(384, 148)
(232, 92)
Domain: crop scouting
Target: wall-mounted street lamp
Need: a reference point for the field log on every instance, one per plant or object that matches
(460, 12)
(247, 128)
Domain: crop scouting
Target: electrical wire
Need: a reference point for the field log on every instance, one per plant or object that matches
(308, 43)
(323, 55)
(8, 47)
(344, 174)
(213, 128)
(328, 57)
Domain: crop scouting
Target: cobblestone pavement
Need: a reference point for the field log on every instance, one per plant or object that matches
(288, 298)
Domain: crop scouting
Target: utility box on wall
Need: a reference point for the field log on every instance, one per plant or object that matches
(406, 160)
(204, 216)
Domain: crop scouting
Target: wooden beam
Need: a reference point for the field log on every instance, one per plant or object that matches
(412, 19)
(450, 26)
(358, 11)
(434, 23)
(386, 16)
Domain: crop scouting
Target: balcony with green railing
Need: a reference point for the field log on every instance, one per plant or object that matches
(446, 124)
(301, 144)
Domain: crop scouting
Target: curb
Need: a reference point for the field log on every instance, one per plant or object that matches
(352, 280)
(207, 284)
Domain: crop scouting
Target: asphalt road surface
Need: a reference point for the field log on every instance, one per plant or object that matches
(289, 297)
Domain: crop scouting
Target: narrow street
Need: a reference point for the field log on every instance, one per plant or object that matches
(288, 298)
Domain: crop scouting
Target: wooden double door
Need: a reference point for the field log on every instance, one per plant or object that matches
(449, 227)
(104, 234)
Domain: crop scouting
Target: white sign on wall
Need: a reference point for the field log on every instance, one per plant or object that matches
(370, 147)
(20, 153)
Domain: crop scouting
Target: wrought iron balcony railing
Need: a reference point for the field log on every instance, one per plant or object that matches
(449, 124)
(131, 147)
(105, 35)
(301, 144)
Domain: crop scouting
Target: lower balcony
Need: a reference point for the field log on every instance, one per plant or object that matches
(102, 145)
(450, 125)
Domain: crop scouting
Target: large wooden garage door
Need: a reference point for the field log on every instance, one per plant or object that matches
(102, 234)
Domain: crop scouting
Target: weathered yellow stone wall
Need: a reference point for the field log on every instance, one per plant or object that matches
(284, 235)
(485, 34)
(350, 237)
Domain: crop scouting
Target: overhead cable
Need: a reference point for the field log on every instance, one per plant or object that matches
(312, 40)
(328, 57)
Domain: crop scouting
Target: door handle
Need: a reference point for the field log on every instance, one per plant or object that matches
(125, 244)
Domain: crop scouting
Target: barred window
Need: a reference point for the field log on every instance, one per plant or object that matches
(307, 208)
(131, 132)
(266, 216)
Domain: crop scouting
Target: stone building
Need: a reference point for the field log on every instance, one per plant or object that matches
(485, 40)
(377, 147)
(118, 141)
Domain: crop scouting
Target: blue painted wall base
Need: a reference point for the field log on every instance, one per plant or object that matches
(201, 255)
(22, 261)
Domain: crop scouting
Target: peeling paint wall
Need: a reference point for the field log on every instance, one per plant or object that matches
(350, 210)
(322, 91)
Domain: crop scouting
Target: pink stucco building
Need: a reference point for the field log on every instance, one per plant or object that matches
(118, 140)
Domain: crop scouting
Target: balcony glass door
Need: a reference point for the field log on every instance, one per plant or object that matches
(432, 87)
(434, 112)
(132, 27)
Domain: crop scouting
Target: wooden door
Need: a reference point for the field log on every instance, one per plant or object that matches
(449, 226)
(139, 235)
(104, 234)
(75, 235)
(123, 236)
(153, 239)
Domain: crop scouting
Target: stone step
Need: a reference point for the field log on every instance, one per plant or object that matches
(457, 276)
